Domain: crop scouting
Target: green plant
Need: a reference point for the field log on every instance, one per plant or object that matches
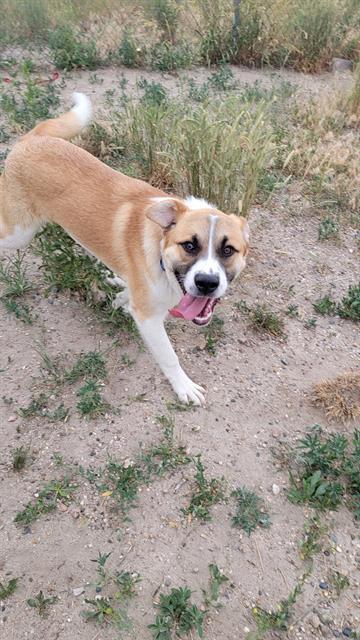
(250, 512)
(166, 455)
(166, 14)
(339, 581)
(314, 531)
(177, 614)
(90, 365)
(325, 306)
(25, 107)
(36, 407)
(328, 228)
(349, 306)
(292, 311)
(72, 52)
(41, 603)
(263, 319)
(7, 589)
(317, 491)
(19, 458)
(207, 493)
(217, 578)
(222, 79)
(91, 404)
(129, 53)
(102, 611)
(166, 57)
(54, 492)
(279, 618)
(15, 283)
(154, 93)
(126, 582)
(213, 334)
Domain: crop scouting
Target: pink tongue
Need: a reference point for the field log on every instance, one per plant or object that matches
(189, 307)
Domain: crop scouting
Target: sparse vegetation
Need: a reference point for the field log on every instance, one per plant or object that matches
(41, 604)
(15, 286)
(177, 614)
(348, 307)
(250, 511)
(262, 318)
(71, 51)
(47, 500)
(8, 588)
(19, 458)
(207, 493)
(213, 334)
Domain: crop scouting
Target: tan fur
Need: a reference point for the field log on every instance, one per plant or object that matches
(112, 215)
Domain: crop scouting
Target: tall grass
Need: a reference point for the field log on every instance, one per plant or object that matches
(216, 152)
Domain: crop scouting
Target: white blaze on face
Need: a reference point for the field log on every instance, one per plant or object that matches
(208, 264)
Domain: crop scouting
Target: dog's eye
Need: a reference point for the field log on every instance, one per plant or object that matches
(228, 250)
(190, 247)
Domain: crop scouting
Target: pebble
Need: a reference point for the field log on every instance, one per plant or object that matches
(78, 591)
(323, 585)
(315, 621)
(275, 489)
(98, 589)
(347, 632)
(12, 418)
(167, 581)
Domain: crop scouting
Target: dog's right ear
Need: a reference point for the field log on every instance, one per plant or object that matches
(165, 211)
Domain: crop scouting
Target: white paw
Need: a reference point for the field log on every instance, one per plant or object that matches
(121, 300)
(188, 391)
(116, 282)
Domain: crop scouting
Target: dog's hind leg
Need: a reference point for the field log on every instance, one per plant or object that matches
(16, 238)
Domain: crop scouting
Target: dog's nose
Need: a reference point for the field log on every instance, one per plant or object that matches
(207, 282)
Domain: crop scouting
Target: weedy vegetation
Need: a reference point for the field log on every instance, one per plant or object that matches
(15, 286)
(314, 532)
(8, 588)
(91, 403)
(41, 603)
(49, 497)
(19, 458)
(213, 334)
(207, 493)
(120, 587)
(177, 614)
(262, 318)
(348, 307)
(250, 511)
(217, 579)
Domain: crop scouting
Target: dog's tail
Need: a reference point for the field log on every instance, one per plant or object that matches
(69, 124)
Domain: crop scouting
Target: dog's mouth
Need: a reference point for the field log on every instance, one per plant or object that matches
(199, 310)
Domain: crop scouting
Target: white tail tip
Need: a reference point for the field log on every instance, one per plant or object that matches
(82, 108)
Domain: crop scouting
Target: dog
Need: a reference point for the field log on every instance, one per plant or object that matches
(168, 253)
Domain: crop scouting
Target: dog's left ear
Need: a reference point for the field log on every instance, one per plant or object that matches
(244, 227)
(165, 211)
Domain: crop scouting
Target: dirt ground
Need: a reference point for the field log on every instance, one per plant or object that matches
(258, 394)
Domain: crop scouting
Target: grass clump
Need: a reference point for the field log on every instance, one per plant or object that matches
(213, 334)
(250, 512)
(325, 306)
(348, 307)
(177, 614)
(48, 499)
(71, 51)
(167, 455)
(8, 588)
(339, 397)
(90, 365)
(327, 471)
(130, 52)
(216, 152)
(166, 57)
(262, 318)
(206, 494)
(314, 531)
(19, 458)
(328, 228)
(24, 107)
(15, 286)
(41, 604)
(91, 403)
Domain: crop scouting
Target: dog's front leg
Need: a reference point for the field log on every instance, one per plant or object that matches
(155, 337)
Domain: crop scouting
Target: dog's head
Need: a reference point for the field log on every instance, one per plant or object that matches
(203, 250)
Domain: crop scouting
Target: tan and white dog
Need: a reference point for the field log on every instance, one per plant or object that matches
(168, 253)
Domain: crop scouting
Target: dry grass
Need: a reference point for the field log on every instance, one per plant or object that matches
(325, 145)
(340, 397)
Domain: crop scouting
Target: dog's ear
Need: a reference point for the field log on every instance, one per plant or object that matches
(244, 225)
(165, 211)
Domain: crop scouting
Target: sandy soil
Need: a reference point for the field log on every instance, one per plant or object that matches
(258, 394)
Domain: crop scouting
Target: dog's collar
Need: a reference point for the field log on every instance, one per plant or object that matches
(162, 264)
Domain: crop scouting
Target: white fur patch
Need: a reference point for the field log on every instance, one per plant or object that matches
(82, 108)
(198, 203)
(19, 239)
(208, 264)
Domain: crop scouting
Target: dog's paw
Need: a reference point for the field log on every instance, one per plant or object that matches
(188, 391)
(121, 300)
(115, 281)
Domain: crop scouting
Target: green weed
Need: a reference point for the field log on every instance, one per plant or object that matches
(339, 581)
(7, 589)
(222, 79)
(166, 57)
(328, 228)
(130, 53)
(177, 614)
(47, 500)
(153, 92)
(213, 334)
(206, 494)
(16, 285)
(262, 318)
(35, 408)
(292, 311)
(166, 14)
(70, 51)
(165, 456)
(91, 403)
(349, 306)
(41, 603)
(19, 458)
(25, 107)
(250, 511)
(211, 596)
(314, 531)
(325, 306)
(279, 618)
(90, 365)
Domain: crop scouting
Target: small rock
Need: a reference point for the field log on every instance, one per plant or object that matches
(347, 632)
(12, 418)
(283, 361)
(339, 65)
(167, 581)
(78, 591)
(315, 621)
(323, 585)
(275, 489)
(62, 507)
(98, 589)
